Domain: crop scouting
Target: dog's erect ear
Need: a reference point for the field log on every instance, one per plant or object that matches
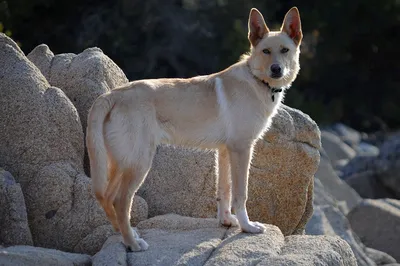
(257, 27)
(292, 25)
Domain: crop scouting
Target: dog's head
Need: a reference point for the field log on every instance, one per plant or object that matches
(274, 55)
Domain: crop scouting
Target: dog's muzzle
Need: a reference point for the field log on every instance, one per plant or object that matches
(276, 71)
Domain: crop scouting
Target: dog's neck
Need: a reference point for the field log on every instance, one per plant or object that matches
(264, 83)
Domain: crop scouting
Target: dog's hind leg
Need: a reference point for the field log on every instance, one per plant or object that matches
(240, 158)
(132, 178)
(106, 198)
(225, 216)
(111, 192)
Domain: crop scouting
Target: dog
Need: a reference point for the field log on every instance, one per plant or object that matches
(226, 111)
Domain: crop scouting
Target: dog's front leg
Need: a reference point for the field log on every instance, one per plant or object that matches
(240, 162)
(225, 216)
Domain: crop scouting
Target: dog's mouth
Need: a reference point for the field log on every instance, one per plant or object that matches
(276, 76)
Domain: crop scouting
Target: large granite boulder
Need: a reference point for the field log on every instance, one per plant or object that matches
(377, 223)
(330, 221)
(41, 144)
(377, 176)
(335, 186)
(333, 199)
(82, 77)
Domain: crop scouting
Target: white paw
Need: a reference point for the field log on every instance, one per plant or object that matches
(137, 244)
(143, 244)
(133, 247)
(229, 220)
(253, 227)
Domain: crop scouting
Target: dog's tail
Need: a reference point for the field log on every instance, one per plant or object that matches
(96, 144)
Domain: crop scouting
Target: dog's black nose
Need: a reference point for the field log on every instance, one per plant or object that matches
(276, 70)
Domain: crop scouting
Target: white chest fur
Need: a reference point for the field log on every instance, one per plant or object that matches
(247, 113)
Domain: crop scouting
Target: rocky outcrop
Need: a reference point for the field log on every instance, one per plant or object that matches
(177, 240)
(377, 223)
(333, 199)
(280, 183)
(328, 220)
(82, 77)
(377, 176)
(282, 172)
(41, 144)
(335, 186)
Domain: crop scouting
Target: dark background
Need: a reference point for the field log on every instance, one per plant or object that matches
(350, 61)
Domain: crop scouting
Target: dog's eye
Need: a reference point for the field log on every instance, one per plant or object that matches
(284, 50)
(266, 51)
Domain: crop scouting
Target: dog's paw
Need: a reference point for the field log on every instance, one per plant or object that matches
(137, 243)
(143, 244)
(253, 228)
(229, 220)
(132, 247)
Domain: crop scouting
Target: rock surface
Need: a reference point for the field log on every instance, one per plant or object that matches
(177, 240)
(33, 256)
(41, 144)
(286, 160)
(336, 187)
(348, 135)
(183, 181)
(382, 170)
(328, 220)
(335, 147)
(321, 196)
(13, 218)
(82, 77)
(368, 185)
(377, 223)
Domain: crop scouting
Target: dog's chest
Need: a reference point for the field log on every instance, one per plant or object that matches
(251, 119)
(273, 100)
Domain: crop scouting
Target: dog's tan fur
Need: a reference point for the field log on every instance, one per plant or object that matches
(227, 111)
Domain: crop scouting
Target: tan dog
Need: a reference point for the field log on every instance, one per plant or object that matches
(227, 111)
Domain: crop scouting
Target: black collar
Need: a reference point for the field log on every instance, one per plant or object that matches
(273, 90)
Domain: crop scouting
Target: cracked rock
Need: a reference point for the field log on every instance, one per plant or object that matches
(177, 240)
